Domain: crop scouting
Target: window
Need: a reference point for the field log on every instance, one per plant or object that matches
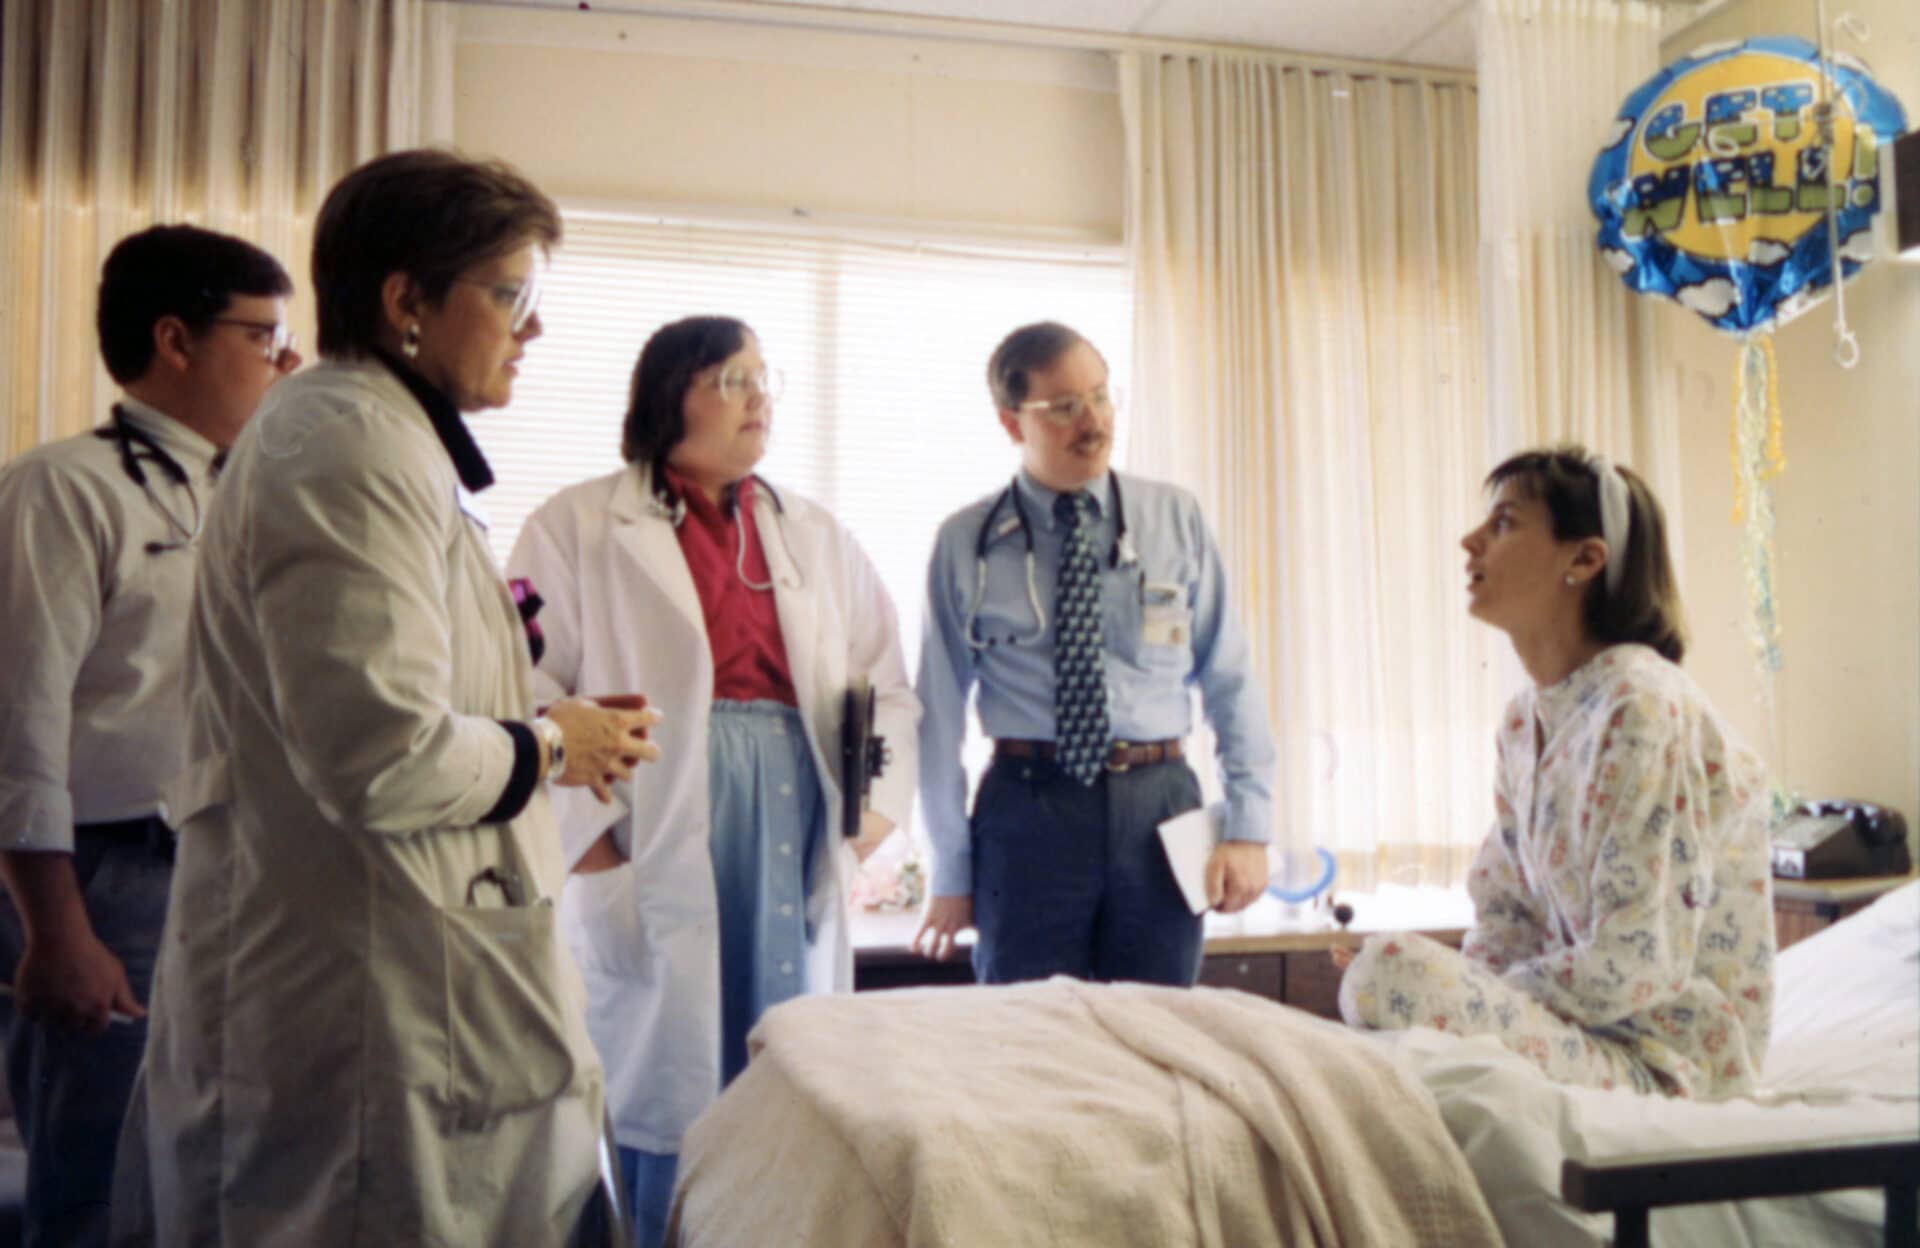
(884, 342)
(883, 338)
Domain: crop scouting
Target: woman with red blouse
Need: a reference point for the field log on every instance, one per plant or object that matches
(742, 611)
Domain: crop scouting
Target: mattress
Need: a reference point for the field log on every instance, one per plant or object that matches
(1844, 1064)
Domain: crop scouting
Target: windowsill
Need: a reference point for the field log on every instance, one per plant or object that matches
(1268, 926)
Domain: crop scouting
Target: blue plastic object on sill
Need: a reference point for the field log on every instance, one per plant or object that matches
(1312, 890)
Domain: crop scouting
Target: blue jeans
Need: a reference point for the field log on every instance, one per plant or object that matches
(1071, 879)
(649, 1182)
(70, 1091)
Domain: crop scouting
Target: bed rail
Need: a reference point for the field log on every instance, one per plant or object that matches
(1629, 1187)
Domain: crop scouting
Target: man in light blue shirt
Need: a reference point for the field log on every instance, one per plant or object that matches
(1082, 604)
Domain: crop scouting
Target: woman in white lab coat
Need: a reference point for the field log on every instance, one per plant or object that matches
(742, 613)
(364, 1030)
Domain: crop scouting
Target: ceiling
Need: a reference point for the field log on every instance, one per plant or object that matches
(1424, 32)
(1413, 32)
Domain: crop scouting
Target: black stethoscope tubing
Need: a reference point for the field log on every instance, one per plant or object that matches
(1122, 552)
(135, 444)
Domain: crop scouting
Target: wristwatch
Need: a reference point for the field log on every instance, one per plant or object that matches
(556, 743)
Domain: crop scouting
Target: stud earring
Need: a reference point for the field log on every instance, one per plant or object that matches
(411, 344)
(1569, 578)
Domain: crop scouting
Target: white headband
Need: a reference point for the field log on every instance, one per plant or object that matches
(1616, 516)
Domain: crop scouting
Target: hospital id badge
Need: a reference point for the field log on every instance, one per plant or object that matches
(1165, 618)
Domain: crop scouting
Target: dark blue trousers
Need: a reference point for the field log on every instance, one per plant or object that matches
(69, 1091)
(1071, 879)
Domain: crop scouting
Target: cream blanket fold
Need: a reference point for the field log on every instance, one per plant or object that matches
(1073, 1114)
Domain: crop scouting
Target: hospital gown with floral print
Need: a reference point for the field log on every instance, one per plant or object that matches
(1623, 931)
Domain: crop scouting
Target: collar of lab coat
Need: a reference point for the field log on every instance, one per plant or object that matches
(632, 501)
(179, 441)
(632, 505)
(649, 539)
(630, 495)
(475, 473)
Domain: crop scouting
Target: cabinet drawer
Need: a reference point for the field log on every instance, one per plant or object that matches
(1313, 983)
(1262, 974)
(875, 974)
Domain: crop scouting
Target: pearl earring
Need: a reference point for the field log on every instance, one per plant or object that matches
(1569, 579)
(411, 345)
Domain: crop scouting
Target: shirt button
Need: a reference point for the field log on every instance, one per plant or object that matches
(786, 968)
(786, 912)
(786, 790)
(786, 847)
(779, 730)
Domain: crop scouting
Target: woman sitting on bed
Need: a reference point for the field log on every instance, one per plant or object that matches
(1623, 932)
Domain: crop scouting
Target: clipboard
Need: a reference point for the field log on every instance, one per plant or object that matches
(863, 755)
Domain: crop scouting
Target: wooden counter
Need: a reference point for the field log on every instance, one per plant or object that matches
(1286, 964)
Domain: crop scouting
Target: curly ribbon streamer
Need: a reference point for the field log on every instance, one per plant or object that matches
(1756, 406)
(1758, 457)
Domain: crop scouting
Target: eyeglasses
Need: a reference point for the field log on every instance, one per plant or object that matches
(1069, 408)
(519, 300)
(741, 385)
(279, 335)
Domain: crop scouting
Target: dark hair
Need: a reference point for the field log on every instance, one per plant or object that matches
(656, 401)
(1646, 607)
(174, 270)
(428, 213)
(1026, 349)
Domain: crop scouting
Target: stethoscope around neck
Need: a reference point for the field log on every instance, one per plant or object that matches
(136, 444)
(1122, 554)
(673, 510)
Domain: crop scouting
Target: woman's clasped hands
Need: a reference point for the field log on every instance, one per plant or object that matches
(606, 738)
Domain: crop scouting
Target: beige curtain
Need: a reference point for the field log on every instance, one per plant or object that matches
(1572, 354)
(1307, 360)
(236, 115)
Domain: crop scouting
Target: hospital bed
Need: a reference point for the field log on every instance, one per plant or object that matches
(1842, 1072)
(1071, 1114)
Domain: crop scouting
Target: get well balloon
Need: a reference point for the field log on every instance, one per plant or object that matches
(1713, 189)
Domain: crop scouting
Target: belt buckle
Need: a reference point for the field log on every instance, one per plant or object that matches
(1117, 760)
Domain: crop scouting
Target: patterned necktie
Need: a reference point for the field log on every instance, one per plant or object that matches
(1079, 652)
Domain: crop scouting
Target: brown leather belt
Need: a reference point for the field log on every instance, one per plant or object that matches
(1124, 756)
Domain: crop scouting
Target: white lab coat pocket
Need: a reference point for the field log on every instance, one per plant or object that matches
(607, 930)
(506, 1019)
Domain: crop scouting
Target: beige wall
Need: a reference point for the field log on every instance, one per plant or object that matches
(1848, 505)
(782, 121)
(794, 121)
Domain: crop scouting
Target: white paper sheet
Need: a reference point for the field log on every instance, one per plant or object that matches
(1189, 840)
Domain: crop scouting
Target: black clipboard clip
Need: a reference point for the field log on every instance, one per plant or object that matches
(863, 755)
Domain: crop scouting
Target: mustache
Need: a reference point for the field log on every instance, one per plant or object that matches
(1092, 440)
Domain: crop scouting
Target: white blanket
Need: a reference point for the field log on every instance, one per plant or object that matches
(1844, 1064)
(1068, 1113)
